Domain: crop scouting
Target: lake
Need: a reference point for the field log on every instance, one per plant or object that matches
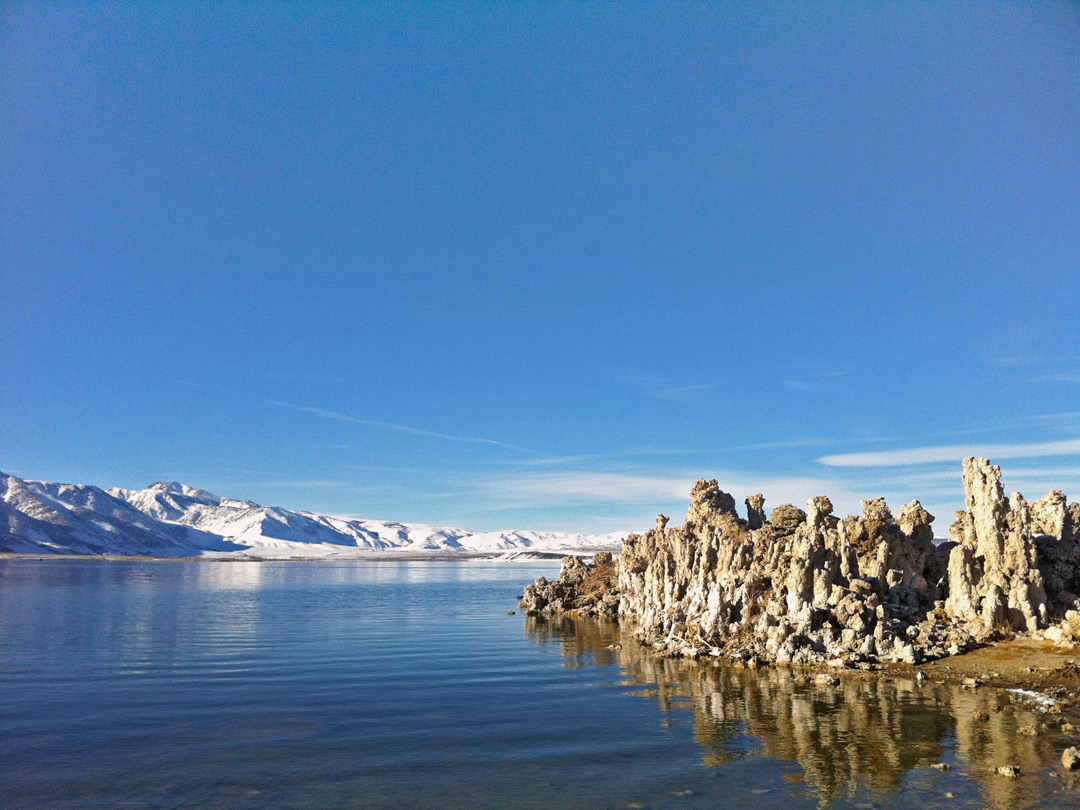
(407, 685)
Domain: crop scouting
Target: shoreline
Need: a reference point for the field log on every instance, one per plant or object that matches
(1033, 671)
(374, 556)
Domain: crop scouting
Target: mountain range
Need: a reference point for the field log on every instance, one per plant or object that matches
(169, 519)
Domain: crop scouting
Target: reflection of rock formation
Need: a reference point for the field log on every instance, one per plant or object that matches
(865, 733)
(805, 587)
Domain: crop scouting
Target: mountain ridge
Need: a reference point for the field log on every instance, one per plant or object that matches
(172, 519)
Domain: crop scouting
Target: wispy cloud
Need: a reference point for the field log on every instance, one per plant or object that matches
(1059, 369)
(661, 490)
(813, 382)
(1066, 416)
(1023, 361)
(342, 417)
(304, 484)
(657, 385)
(785, 443)
(565, 488)
(1067, 422)
(245, 471)
(588, 458)
(307, 483)
(291, 376)
(951, 452)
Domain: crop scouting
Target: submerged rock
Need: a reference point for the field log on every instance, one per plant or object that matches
(806, 587)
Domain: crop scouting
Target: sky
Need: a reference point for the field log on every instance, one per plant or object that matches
(541, 265)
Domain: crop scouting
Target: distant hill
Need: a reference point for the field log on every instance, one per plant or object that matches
(174, 520)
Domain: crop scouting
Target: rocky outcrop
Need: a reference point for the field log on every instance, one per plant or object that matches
(807, 587)
(994, 579)
(582, 589)
(755, 511)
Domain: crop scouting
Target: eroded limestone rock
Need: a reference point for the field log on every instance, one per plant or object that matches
(807, 587)
(706, 498)
(755, 511)
(581, 589)
(994, 580)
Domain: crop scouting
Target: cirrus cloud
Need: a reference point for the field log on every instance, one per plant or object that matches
(951, 452)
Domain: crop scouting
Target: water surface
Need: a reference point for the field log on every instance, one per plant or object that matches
(380, 685)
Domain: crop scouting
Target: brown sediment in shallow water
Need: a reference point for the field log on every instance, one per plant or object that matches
(805, 587)
(1024, 662)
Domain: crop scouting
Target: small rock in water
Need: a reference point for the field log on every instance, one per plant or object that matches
(981, 716)
(1011, 771)
(950, 795)
(1068, 728)
(1028, 731)
(942, 766)
(511, 612)
(1070, 758)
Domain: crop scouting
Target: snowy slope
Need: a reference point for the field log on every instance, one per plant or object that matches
(172, 519)
(37, 516)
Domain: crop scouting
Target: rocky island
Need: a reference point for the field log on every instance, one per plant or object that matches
(806, 587)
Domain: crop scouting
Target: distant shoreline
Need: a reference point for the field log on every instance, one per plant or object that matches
(375, 556)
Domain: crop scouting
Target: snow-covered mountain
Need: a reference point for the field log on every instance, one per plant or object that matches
(175, 520)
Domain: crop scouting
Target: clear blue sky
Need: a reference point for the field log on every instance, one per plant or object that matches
(541, 265)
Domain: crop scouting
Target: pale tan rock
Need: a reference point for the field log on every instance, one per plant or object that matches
(787, 517)
(994, 580)
(805, 587)
(1048, 514)
(818, 511)
(706, 498)
(582, 588)
(755, 511)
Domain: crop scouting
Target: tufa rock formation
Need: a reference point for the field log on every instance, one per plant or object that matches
(807, 587)
(581, 589)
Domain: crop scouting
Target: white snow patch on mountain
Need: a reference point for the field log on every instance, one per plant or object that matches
(170, 519)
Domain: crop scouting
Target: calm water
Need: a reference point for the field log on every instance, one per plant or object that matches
(392, 685)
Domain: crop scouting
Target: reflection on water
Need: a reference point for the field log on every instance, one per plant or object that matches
(256, 686)
(869, 733)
